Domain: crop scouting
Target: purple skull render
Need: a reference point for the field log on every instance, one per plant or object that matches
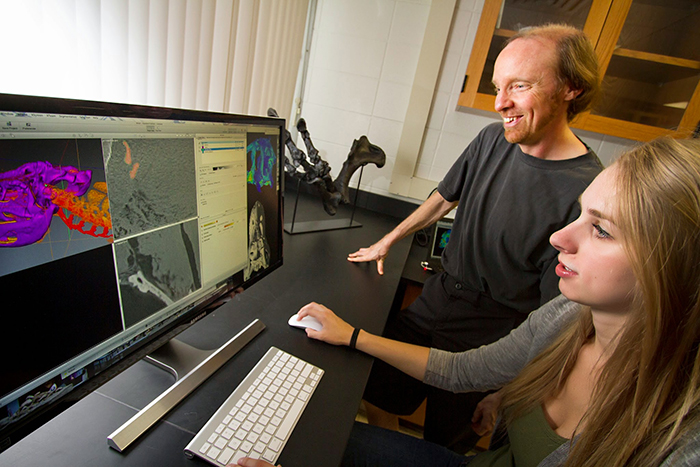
(29, 199)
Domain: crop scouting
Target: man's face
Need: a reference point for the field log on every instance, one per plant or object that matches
(530, 98)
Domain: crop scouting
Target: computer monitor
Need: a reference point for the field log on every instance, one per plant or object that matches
(121, 224)
(441, 235)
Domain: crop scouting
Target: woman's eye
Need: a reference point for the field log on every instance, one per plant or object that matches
(600, 232)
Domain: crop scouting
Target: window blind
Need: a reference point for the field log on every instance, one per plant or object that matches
(239, 56)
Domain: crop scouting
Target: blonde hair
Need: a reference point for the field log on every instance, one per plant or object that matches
(577, 63)
(648, 394)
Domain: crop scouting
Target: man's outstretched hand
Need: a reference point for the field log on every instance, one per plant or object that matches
(377, 252)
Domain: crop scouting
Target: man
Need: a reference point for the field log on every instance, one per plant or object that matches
(515, 184)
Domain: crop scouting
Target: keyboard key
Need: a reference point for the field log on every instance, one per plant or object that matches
(305, 372)
(275, 444)
(290, 420)
(270, 455)
(213, 452)
(238, 455)
(220, 443)
(225, 456)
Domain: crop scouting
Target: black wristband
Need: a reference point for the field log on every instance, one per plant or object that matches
(353, 339)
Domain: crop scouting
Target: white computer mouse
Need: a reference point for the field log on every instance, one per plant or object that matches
(305, 322)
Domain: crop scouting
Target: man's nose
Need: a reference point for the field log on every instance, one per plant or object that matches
(502, 101)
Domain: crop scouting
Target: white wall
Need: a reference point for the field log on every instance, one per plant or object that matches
(361, 67)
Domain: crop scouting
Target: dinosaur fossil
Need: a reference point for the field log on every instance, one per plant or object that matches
(313, 170)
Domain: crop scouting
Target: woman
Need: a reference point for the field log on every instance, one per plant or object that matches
(608, 374)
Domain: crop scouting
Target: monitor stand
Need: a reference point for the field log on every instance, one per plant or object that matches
(323, 224)
(177, 357)
(187, 381)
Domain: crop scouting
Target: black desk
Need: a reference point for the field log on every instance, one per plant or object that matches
(413, 271)
(315, 268)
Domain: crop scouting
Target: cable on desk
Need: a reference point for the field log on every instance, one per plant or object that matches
(422, 237)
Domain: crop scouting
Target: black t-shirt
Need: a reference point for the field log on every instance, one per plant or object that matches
(509, 205)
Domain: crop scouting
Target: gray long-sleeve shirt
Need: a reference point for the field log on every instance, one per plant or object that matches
(491, 366)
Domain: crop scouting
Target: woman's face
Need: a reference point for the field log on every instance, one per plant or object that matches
(593, 267)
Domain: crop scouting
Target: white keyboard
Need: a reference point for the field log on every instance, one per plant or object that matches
(258, 417)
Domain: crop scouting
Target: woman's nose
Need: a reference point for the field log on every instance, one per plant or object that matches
(562, 239)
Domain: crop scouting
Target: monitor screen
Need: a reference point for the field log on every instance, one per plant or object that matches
(441, 235)
(119, 223)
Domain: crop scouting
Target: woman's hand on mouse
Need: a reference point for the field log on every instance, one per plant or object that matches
(335, 331)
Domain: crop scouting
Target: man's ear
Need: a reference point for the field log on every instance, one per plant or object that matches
(572, 94)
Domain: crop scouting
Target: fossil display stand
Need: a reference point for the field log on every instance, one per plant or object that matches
(322, 224)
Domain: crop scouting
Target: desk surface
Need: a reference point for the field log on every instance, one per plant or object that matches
(315, 269)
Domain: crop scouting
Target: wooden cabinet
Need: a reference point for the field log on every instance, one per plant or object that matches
(649, 51)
